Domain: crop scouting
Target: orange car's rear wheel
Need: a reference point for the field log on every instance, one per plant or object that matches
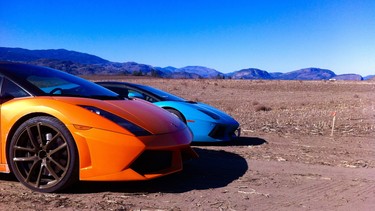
(43, 155)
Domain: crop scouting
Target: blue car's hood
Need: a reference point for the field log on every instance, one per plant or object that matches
(221, 114)
(187, 107)
(196, 110)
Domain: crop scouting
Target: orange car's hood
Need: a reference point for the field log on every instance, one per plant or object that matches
(142, 113)
(149, 116)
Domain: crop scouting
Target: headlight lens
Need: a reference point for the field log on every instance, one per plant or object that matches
(210, 114)
(135, 129)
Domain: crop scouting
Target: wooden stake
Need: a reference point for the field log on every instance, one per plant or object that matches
(333, 122)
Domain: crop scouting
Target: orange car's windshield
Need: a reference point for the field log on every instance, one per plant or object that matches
(58, 83)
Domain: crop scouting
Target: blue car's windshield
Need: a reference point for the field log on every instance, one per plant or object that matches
(162, 94)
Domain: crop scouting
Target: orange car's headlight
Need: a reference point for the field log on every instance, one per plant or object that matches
(133, 128)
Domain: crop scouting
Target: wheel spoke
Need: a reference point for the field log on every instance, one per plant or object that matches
(52, 140)
(34, 142)
(50, 153)
(32, 169)
(39, 133)
(26, 159)
(19, 148)
(57, 164)
(52, 172)
(39, 178)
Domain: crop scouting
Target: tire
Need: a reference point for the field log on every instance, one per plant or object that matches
(177, 114)
(43, 155)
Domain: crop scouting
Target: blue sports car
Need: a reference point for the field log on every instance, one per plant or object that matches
(208, 124)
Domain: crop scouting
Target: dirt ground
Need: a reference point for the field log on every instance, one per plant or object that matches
(305, 145)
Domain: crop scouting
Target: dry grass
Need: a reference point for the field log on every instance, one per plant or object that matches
(283, 107)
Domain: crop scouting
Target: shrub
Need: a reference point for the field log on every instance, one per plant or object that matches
(262, 108)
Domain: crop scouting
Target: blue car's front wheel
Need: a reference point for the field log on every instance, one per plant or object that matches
(177, 114)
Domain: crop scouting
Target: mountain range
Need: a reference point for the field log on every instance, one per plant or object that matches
(85, 64)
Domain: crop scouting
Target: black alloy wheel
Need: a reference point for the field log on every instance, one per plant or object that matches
(43, 155)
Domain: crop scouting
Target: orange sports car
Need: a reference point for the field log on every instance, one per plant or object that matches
(56, 129)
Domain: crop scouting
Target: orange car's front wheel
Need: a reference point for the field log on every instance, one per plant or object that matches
(43, 155)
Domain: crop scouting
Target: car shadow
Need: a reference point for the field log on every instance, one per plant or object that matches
(213, 169)
(240, 141)
(8, 177)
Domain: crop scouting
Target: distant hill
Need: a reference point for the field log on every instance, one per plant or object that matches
(348, 77)
(85, 64)
(168, 69)
(308, 74)
(132, 67)
(276, 75)
(192, 72)
(204, 72)
(20, 54)
(180, 75)
(369, 77)
(250, 73)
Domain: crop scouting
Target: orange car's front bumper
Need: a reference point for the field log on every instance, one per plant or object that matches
(110, 156)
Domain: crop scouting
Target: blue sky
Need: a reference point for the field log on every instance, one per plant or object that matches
(227, 35)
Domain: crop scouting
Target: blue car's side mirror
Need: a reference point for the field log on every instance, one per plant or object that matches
(135, 95)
